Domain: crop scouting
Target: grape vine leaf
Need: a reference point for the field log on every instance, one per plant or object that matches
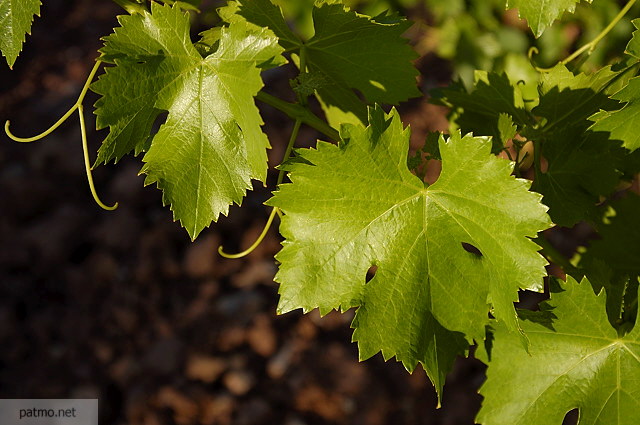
(262, 13)
(506, 128)
(619, 288)
(633, 48)
(622, 124)
(580, 170)
(613, 260)
(421, 239)
(580, 363)
(619, 243)
(568, 99)
(540, 14)
(580, 164)
(478, 110)
(211, 145)
(349, 51)
(16, 17)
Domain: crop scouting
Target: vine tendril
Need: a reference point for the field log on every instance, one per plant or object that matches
(87, 164)
(76, 106)
(64, 118)
(258, 241)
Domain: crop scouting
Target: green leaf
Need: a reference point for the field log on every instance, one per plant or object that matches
(580, 170)
(350, 52)
(506, 128)
(540, 14)
(264, 14)
(619, 242)
(16, 17)
(211, 145)
(623, 123)
(420, 238)
(567, 99)
(479, 110)
(184, 4)
(633, 48)
(365, 54)
(615, 284)
(580, 363)
(581, 167)
(613, 260)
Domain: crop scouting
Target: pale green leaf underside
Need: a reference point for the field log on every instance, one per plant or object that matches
(16, 17)
(540, 14)
(581, 364)
(211, 145)
(385, 216)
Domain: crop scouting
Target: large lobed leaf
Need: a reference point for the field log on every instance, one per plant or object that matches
(16, 17)
(578, 362)
(211, 145)
(426, 281)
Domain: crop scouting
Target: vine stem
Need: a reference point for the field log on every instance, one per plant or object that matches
(296, 112)
(65, 117)
(590, 46)
(287, 152)
(303, 70)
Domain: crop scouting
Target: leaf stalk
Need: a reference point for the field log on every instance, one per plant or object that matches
(287, 152)
(296, 112)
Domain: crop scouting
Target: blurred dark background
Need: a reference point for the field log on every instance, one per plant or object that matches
(121, 306)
